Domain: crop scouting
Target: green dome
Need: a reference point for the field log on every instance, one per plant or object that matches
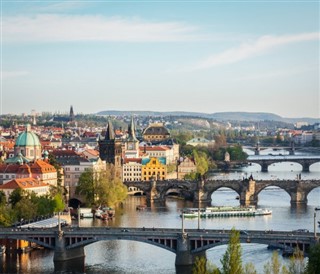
(27, 138)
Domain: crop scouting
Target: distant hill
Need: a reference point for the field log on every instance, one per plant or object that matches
(219, 116)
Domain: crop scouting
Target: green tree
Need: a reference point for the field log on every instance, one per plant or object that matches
(101, 187)
(296, 263)
(202, 266)
(231, 260)
(274, 266)
(7, 216)
(45, 205)
(249, 269)
(201, 161)
(16, 196)
(313, 265)
(86, 186)
(25, 209)
(3, 199)
(58, 202)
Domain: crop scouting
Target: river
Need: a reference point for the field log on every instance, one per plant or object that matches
(119, 257)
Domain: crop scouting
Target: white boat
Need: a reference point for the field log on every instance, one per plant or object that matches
(225, 211)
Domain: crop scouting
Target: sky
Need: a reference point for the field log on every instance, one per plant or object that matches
(195, 56)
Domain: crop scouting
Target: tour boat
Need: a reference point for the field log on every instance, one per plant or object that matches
(225, 211)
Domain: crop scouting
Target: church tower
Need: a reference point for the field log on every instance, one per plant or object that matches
(71, 115)
(131, 143)
(110, 149)
(107, 145)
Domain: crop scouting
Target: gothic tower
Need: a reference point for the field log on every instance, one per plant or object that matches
(131, 143)
(110, 149)
(71, 115)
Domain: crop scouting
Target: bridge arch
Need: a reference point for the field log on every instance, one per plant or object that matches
(136, 191)
(161, 244)
(225, 192)
(74, 203)
(314, 193)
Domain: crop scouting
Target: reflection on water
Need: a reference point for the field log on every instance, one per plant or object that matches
(122, 256)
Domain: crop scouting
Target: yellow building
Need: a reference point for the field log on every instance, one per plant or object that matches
(153, 168)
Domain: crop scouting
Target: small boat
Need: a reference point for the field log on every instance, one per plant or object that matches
(225, 211)
(2, 249)
(141, 207)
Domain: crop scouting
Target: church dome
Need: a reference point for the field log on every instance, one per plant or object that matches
(27, 138)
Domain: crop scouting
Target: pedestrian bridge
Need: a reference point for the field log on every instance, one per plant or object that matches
(68, 243)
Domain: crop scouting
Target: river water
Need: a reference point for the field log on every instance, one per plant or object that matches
(121, 256)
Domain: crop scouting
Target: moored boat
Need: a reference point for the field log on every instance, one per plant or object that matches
(225, 211)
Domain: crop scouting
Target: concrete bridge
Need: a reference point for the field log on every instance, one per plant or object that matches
(266, 160)
(247, 189)
(69, 243)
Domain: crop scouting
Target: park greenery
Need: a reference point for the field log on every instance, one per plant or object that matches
(101, 188)
(23, 205)
(231, 262)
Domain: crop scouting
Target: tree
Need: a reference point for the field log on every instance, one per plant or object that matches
(313, 265)
(201, 161)
(201, 266)
(101, 187)
(249, 269)
(58, 202)
(25, 209)
(16, 196)
(3, 199)
(231, 260)
(297, 264)
(274, 266)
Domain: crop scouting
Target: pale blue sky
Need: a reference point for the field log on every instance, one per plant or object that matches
(201, 56)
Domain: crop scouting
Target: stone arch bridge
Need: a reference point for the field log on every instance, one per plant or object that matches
(266, 160)
(248, 190)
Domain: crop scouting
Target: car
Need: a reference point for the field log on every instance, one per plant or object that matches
(301, 230)
(125, 230)
(244, 232)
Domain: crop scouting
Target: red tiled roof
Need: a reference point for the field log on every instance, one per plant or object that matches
(23, 183)
(128, 160)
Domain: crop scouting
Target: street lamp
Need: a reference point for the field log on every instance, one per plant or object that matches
(314, 222)
(199, 210)
(182, 215)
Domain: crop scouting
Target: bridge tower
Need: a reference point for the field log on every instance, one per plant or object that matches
(247, 196)
(257, 149)
(292, 148)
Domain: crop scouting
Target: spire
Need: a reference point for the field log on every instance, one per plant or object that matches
(131, 131)
(71, 116)
(110, 132)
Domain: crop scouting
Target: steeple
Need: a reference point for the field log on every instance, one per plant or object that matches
(71, 116)
(110, 132)
(131, 131)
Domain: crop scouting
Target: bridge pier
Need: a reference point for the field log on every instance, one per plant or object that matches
(247, 196)
(183, 255)
(306, 167)
(298, 197)
(264, 167)
(62, 254)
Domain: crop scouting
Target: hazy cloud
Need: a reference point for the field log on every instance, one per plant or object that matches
(13, 74)
(252, 49)
(60, 28)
